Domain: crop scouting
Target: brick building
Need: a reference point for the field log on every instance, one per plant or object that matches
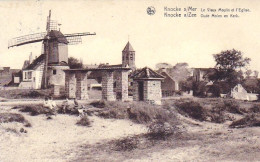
(147, 86)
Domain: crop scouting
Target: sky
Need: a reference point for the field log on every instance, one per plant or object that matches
(155, 38)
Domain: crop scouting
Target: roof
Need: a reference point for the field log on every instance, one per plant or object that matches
(110, 66)
(57, 35)
(97, 69)
(128, 47)
(168, 75)
(37, 62)
(147, 73)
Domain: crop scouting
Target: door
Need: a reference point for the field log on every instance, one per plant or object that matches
(141, 91)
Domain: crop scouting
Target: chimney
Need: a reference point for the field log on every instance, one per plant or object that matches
(30, 58)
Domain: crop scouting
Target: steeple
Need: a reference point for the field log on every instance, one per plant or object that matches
(128, 47)
(128, 56)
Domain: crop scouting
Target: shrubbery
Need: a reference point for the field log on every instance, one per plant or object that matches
(192, 109)
(84, 121)
(161, 130)
(13, 117)
(36, 110)
(250, 120)
(126, 144)
(232, 107)
(139, 112)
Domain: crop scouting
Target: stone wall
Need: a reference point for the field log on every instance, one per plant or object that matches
(151, 91)
(70, 85)
(56, 90)
(135, 91)
(56, 75)
(82, 85)
(107, 86)
(121, 82)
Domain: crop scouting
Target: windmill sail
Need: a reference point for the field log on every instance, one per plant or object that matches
(76, 37)
(26, 39)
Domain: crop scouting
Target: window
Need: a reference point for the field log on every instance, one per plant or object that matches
(54, 72)
(29, 75)
(25, 75)
(131, 56)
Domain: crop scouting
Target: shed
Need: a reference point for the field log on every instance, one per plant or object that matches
(147, 86)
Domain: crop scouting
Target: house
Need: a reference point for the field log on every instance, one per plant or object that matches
(32, 75)
(6, 74)
(169, 85)
(202, 74)
(239, 93)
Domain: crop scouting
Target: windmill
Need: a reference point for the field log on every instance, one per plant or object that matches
(52, 41)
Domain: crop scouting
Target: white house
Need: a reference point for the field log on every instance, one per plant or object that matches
(32, 74)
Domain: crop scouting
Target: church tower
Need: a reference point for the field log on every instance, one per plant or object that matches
(128, 56)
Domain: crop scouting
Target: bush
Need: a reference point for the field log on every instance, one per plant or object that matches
(232, 107)
(84, 121)
(139, 112)
(126, 144)
(192, 109)
(250, 120)
(255, 108)
(98, 104)
(13, 117)
(216, 115)
(11, 130)
(161, 130)
(36, 110)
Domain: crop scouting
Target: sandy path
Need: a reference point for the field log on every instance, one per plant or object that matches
(51, 140)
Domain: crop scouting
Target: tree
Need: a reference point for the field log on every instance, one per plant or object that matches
(251, 85)
(256, 74)
(248, 73)
(230, 60)
(228, 66)
(163, 66)
(74, 63)
(179, 72)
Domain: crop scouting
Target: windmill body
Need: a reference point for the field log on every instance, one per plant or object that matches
(47, 69)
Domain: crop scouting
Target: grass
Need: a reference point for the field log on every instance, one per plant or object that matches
(250, 120)
(84, 121)
(14, 117)
(34, 110)
(138, 112)
(12, 130)
(25, 93)
(212, 109)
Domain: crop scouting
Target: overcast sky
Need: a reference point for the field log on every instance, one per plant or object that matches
(155, 38)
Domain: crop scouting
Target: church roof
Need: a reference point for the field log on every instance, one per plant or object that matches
(128, 47)
(147, 73)
(55, 34)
